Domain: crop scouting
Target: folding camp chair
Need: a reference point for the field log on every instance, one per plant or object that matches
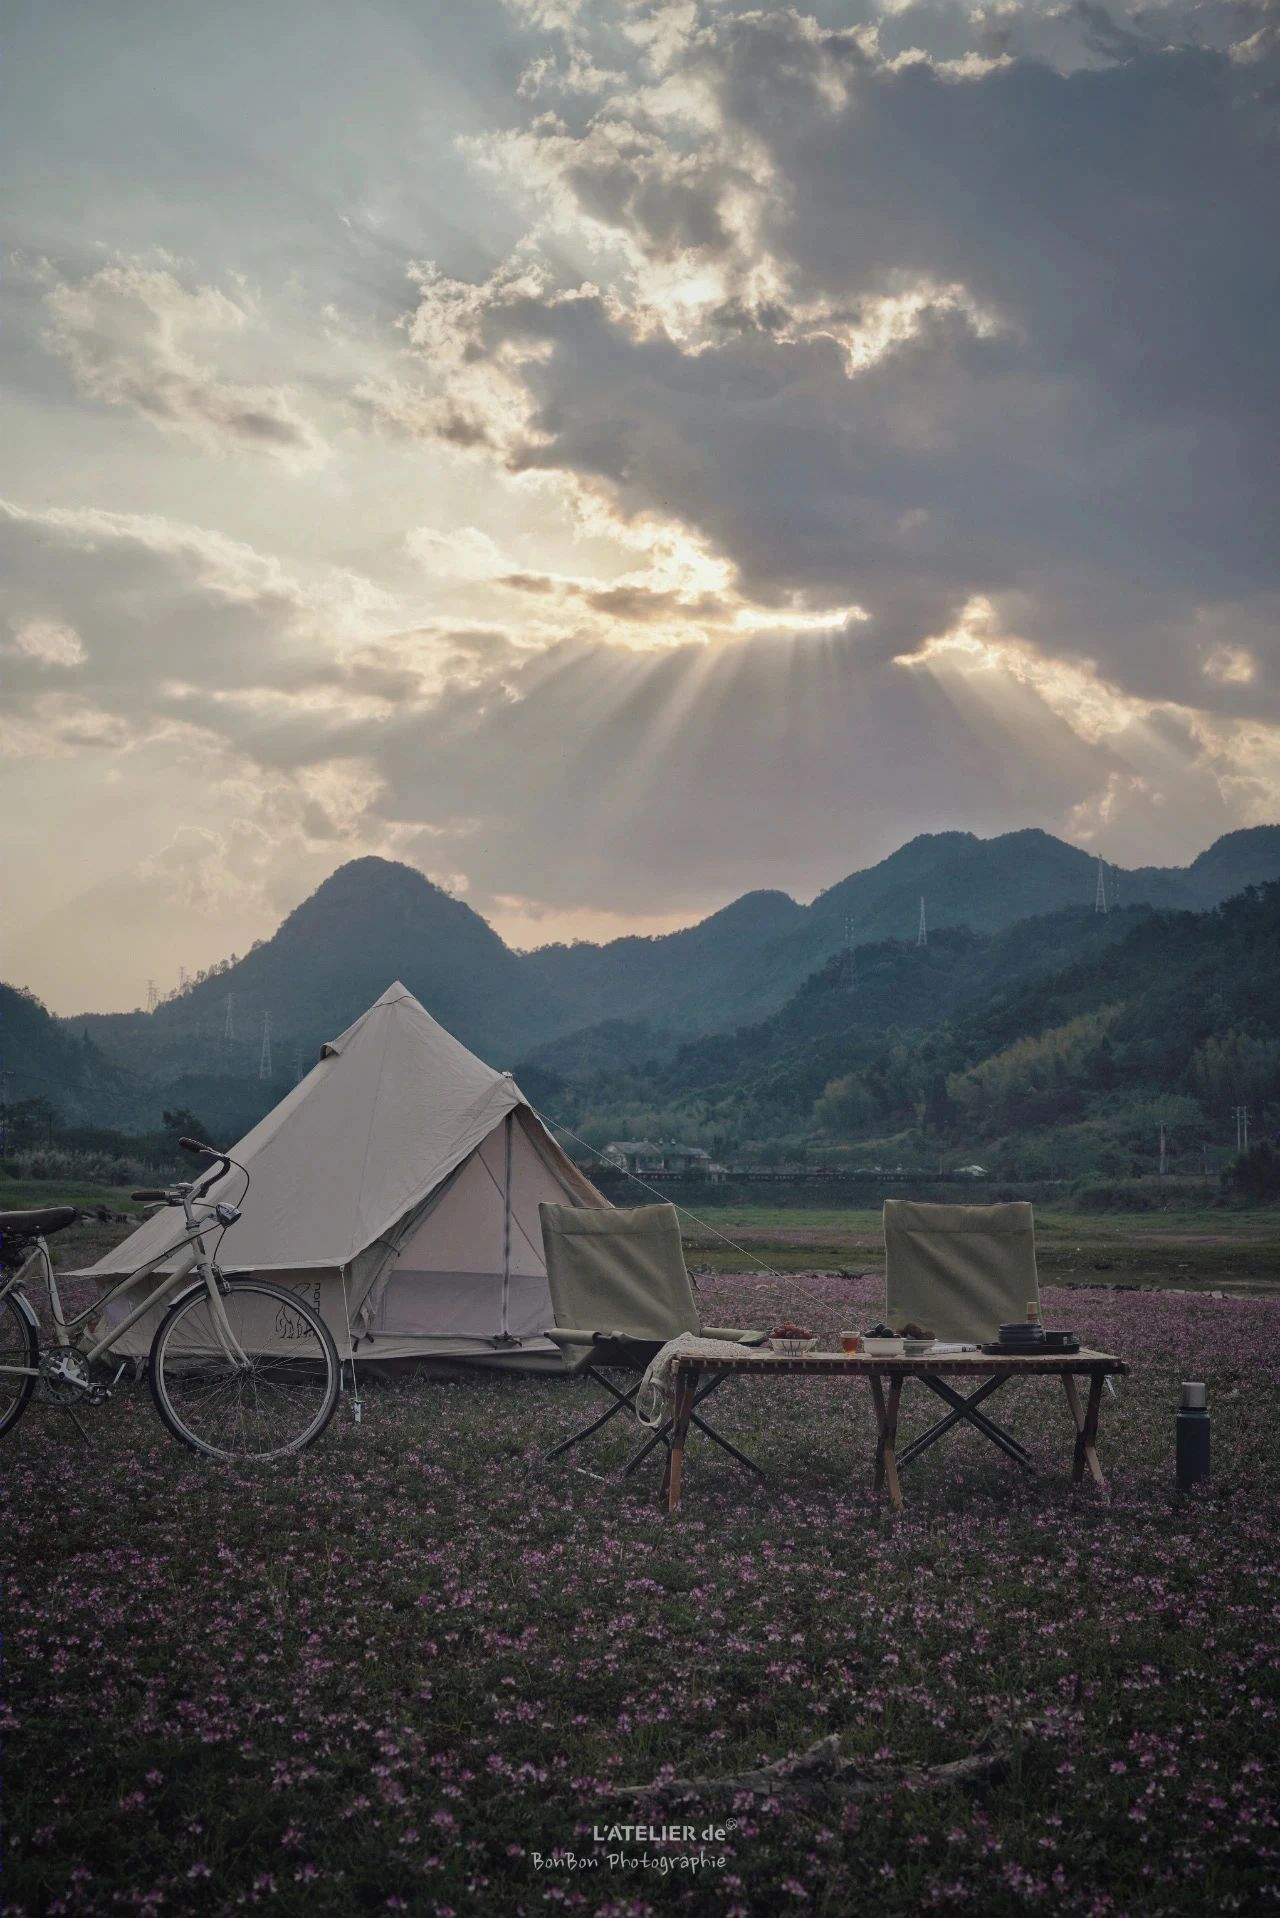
(619, 1292)
(961, 1272)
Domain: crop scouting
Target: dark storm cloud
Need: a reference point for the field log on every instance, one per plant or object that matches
(1081, 424)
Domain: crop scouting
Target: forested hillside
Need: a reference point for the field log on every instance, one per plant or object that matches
(1068, 1039)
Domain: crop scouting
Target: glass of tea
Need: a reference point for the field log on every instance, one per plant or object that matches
(851, 1341)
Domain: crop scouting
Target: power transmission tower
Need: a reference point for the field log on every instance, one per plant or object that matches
(229, 1023)
(1100, 897)
(153, 995)
(850, 956)
(1241, 1114)
(264, 1062)
(922, 937)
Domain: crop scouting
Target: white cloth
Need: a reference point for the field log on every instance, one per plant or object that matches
(656, 1391)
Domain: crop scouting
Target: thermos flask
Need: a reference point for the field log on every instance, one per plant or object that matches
(1192, 1449)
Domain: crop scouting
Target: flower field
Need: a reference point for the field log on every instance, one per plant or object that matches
(405, 1671)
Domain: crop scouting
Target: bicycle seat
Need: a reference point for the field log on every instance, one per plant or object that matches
(48, 1218)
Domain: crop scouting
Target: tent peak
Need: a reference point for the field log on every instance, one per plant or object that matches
(396, 990)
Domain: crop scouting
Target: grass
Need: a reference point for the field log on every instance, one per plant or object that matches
(391, 1673)
(1208, 1250)
(16, 1194)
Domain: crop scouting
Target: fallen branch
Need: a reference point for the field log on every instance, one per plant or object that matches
(822, 1768)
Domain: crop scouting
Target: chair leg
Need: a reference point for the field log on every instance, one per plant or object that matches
(623, 1402)
(663, 1434)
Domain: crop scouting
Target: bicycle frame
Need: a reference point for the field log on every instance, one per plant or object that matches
(192, 1255)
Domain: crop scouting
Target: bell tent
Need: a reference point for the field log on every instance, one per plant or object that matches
(396, 1188)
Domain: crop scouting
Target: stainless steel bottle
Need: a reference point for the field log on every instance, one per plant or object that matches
(1193, 1432)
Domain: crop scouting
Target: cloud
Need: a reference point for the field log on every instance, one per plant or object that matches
(135, 336)
(898, 334)
(466, 552)
(50, 643)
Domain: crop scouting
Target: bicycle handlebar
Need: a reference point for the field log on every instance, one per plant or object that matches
(198, 1147)
(144, 1197)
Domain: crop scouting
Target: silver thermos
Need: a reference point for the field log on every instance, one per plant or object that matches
(1192, 1446)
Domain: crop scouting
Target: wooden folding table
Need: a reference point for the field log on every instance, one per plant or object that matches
(887, 1376)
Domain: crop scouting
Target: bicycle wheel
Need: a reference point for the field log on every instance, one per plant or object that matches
(274, 1400)
(19, 1345)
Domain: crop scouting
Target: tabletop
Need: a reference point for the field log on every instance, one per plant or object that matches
(941, 1364)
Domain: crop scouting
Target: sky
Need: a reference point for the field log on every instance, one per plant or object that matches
(612, 456)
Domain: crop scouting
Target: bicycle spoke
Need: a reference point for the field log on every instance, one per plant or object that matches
(17, 1347)
(269, 1403)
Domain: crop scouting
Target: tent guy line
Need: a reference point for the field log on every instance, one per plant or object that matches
(705, 1225)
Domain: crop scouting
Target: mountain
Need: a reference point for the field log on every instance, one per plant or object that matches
(583, 1007)
(48, 1060)
(683, 979)
(370, 922)
(737, 968)
(1108, 1024)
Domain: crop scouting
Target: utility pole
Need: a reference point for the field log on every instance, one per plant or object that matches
(1100, 896)
(264, 1061)
(850, 957)
(153, 995)
(1164, 1157)
(922, 937)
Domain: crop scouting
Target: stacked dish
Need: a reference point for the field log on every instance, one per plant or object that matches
(1022, 1332)
(1025, 1336)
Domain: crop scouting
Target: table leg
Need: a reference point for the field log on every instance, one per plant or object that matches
(890, 1440)
(1086, 1424)
(685, 1382)
(877, 1399)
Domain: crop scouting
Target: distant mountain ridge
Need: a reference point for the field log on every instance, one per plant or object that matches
(374, 920)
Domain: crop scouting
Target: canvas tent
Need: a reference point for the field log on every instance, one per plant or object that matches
(397, 1187)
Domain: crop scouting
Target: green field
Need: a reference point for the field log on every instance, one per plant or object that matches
(1214, 1249)
(18, 1193)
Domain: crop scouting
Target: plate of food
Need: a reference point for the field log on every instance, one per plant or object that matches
(792, 1340)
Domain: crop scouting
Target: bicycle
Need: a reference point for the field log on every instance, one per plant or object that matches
(219, 1377)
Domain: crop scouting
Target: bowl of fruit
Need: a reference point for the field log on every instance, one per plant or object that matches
(792, 1340)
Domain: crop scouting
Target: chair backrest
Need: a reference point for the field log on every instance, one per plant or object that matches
(961, 1271)
(618, 1270)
